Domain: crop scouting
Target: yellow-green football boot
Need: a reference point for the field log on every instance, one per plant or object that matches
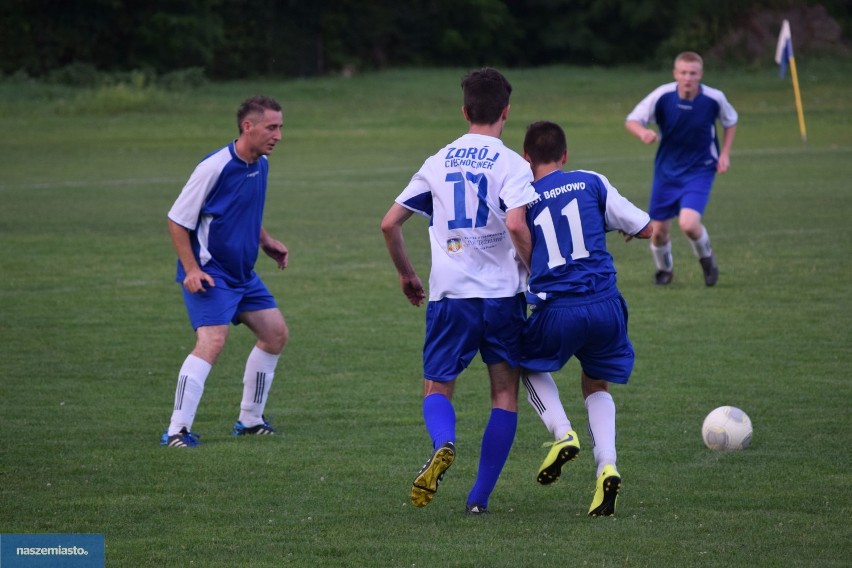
(561, 452)
(606, 493)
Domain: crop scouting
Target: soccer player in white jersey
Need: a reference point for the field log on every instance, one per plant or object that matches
(577, 309)
(216, 229)
(467, 190)
(687, 160)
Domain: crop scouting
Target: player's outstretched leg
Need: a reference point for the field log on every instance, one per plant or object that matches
(561, 452)
(430, 475)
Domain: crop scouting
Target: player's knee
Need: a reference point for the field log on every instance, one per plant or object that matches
(687, 226)
(272, 336)
(279, 337)
(209, 347)
(690, 224)
(660, 234)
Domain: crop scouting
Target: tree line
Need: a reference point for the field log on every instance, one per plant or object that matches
(231, 39)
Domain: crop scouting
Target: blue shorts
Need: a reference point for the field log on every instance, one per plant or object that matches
(222, 304)
(668, 198)
(596, 333)
(457, 328)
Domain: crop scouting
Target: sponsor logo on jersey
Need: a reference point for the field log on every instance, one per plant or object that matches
(454, 245)
(476, 158)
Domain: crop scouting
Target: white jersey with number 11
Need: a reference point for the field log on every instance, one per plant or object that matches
(465, 190)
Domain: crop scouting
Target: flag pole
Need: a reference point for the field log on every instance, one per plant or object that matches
(784, 57)
(798, 97)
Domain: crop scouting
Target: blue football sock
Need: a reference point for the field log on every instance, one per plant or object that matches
(496, 442)
(440, 418)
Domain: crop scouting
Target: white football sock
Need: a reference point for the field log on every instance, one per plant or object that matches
(543, 395)
(190, 387)
(601, 409)
(701, 247)
(257, 380)
(663, 256)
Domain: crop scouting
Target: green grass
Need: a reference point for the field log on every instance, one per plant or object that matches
(94, 333)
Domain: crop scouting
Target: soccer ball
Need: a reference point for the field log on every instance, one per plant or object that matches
(727, 428)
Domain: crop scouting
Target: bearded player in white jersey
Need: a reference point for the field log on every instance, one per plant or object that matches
(468, 189)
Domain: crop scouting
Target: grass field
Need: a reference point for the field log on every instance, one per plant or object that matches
(94, 332)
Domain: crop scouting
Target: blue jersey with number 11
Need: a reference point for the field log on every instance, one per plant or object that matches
(569, 223)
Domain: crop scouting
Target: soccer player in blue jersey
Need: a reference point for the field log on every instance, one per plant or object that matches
(687, 160)
(216, 229)
(468, 190)
(577, 309)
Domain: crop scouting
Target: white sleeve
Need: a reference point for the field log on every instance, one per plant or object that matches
(727, 114)
(417, 195)
(621, 214)
(187, 208)
(643, 113)
(518, 190)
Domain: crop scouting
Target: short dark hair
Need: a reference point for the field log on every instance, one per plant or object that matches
(544, 142)
(257, 104)
(486, 94)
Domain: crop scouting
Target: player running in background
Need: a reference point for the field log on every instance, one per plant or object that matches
(687, 160)
(577, 309)
(476, 302)
(216, 229)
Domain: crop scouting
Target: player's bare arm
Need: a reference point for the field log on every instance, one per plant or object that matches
(410, 283)
(516, 222)
(645, 233)
(646, 135)
(274, 248)
(725, 154)
(195, 277)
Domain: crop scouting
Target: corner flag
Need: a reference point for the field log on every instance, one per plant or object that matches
(784, 57)
(784, 49)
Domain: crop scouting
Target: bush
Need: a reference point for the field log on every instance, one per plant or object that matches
(183, 79)
(113, 99)
(76, 75)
